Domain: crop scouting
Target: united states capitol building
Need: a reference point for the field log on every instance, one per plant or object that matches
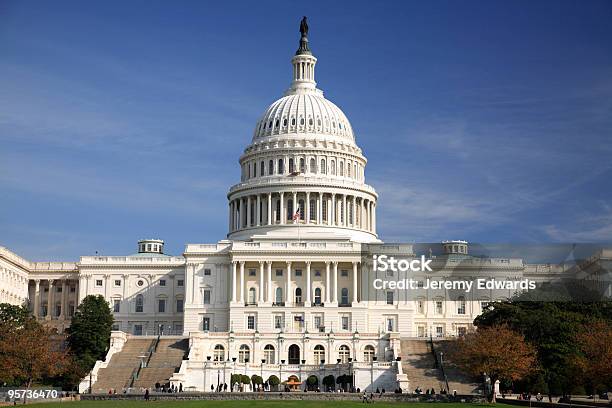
(289, 291)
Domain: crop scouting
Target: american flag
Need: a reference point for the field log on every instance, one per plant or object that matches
(296, 216)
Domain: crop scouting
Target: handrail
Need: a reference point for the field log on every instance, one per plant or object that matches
(439, 363)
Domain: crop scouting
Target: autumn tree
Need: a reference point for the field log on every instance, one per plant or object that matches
(498, 351)
(594, 343)
(27, 353)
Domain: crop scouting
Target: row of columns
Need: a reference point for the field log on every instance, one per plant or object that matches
(266, 293)
(341, 210)
(323, 165)
(13, 287)
(52, 284)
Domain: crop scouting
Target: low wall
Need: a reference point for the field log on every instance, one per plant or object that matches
(312, 396)
(545, 404)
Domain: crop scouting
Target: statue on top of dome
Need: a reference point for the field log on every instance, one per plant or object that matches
(304, 27)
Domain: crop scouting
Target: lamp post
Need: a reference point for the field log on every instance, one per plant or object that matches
(323, 364)
(351, 371)
(281, 371)
(338, 370)
(205, 369)
(232, 385)
(263, 361)
(303, 362)
(374, 358)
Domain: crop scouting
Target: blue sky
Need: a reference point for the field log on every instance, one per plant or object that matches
(489, 121)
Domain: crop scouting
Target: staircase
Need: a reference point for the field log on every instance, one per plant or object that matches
(163, 363)
(118, 374)
(457, 379)
(419, 365)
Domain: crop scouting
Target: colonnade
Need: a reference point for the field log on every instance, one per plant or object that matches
(13, 287)
(266, 293)
(316, 208)
(66, 298)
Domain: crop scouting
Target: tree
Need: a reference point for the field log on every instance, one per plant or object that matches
(12, 317)
(273, 381)
(256, 380)
(595, 354)
(329, 381)
(90, 329)
(498, 351)
(27, 354)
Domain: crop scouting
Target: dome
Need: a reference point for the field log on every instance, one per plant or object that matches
(303, 113)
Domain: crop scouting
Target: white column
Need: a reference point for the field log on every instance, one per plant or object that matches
(354, 282)
(332, 217)
(242, 282)
(249, 221)
(261, 282)
(233, 279)
(282, 208)
(344, 210)
(230, 216)
(37, 298)
(269, 220)
(373, 217)
(50, 299)
(270, 298)
(327, 284)
(258, 210)
(62, 305)
(307, 205)
(288, 296)
(354, 211)
(335, 289)
(320, 209)
(295, 205)
(308, 289)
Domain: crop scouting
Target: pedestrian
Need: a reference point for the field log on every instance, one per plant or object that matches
(146, 395)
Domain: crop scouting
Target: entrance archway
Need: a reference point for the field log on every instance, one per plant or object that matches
(294, 354)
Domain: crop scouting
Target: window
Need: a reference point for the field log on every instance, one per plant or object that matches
(219, 352)
(270, 354)
(251, 322)
(138, 329)
(179, 305)
(281, 169)
(162, 282)
(279, 296)
(278, 321)
(252, 272)
(244, 354)
(161, 305)
(206, 295)
(206, 323)
(271, 167)
(302, 166)
(461, 305)
(279, 272)
(317, 296)
(461, 331)
(252, 296)
(317, 273)
(207, 272)
(98, 283)
(313, 210)
(298, 295)
(291, 166)
(323, 168)
(368, 354)
(344, 296)
(139, 303)
(319, 354)
(72, 289)
(180, 282)
(420, 306)
(333, 167)
(389, 297)
(261, 169)
(344, 354)
(344, 273)
(439, 331)
(344, 321)
(318, 321)
(115, 327)
(298, 272)
(390, 324)
(117, 282)
(324, 210)
(116, 305)
(313, 166)
(439, 307)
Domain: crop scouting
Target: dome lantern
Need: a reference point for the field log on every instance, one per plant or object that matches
(303, 65)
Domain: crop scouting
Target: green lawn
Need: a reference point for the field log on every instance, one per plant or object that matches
(254, 404)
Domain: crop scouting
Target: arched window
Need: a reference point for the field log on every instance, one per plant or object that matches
(317, 296)
(270, 354)
(355, 170)
(271, 168)
(313, 209)
(294, 354)
(324, 209)
(341, 168)
(323, 168)
(302, 211)
(319, 354)
(278, 214)
(292, 121)
(344, 354)
(461, 305)
(244, 354)
(252, 296)
(302, 165)
(348, 169)
(298, 295)
(262, 169)
(313, 166)
(344, 296)
(219, 353)
(291, 166)
(290, 209)
(139, 303)
(333, 167)
(368, 354)
(279, 296)
(285, 122)
(281, 168)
